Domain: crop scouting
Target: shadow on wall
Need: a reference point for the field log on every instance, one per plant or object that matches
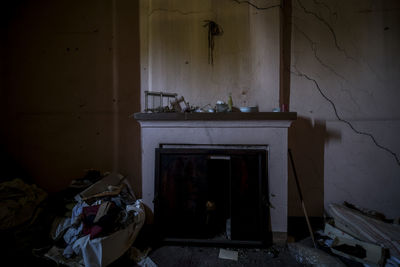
(307, 142)
(81, 82)
(11, 168)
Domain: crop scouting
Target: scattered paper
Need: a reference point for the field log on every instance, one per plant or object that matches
(228, 254)
(374, 254)
(147, 262)
(333, 232)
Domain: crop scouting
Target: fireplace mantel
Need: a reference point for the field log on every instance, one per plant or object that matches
(258, 128)
(222, 116)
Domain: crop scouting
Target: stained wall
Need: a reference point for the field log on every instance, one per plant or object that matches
(336, 63)
(345, 80)
(71, 80)
(175, 51)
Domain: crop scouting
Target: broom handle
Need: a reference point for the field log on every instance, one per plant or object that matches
(301, 198)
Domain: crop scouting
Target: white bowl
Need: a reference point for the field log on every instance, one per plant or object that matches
(249, 109)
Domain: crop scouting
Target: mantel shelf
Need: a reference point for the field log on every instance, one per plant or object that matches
(222, 116)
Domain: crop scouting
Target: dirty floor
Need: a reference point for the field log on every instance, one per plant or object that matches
(208, 256)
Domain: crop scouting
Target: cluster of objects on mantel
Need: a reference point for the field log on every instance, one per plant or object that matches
(162, 102)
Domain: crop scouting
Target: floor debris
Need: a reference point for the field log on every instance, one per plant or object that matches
(103, 225)
(147, 262)
(363, 252)
(19, 203)
(228, 254)
(309, 255)
(365, 228)
(192, 256)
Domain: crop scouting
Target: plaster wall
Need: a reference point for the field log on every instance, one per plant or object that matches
(343, 60)
(71, 82)
(175, 51)
(347, 52)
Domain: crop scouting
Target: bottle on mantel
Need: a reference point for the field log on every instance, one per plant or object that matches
(230, 102)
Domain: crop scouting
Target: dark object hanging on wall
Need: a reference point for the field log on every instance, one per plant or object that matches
(213, 30)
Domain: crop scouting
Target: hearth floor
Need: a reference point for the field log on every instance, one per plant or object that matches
(209, 256)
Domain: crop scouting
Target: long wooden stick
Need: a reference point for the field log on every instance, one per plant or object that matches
(114, 192)
(301, 198)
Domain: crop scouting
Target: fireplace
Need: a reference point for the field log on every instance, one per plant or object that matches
(267, 129)
(212, 194)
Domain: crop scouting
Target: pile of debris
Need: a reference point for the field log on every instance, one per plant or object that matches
(24, 222)
(101, 225)
(20, 203)
(353, 234)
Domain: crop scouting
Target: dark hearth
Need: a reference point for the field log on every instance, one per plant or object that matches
(212, 195)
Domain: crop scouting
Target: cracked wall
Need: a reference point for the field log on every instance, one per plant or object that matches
(345, 52)
(350, 50)
(246, 56)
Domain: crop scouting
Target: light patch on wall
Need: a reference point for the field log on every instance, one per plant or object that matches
(245, 57)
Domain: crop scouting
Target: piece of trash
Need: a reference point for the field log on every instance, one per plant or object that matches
(328, 242)
(333, 232)
(367, 212)
(113, 179)
(356, 250)
(392, 261)
(99, 230)
(20, 203)
(103, 210)
(365, 228)
(312, 256)
(56, 254)
(90, 178)
(228, 254)
(228, 229)
(146, 262)
(137, 255)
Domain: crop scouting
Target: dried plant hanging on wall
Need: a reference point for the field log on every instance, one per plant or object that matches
(213, 30)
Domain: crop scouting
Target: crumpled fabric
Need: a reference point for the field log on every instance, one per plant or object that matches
(77, 211)
(104, 250)
(56, 254)
(19, 202)
(129, 217)
(105, 224)
(74, 231)
(70, 236)
(60, 225)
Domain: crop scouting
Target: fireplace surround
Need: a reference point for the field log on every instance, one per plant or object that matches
(253, 129)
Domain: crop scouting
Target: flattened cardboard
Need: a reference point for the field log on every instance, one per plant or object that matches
(375, 253)
(228, 254)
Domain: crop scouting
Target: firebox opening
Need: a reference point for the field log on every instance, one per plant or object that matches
(212, 195)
